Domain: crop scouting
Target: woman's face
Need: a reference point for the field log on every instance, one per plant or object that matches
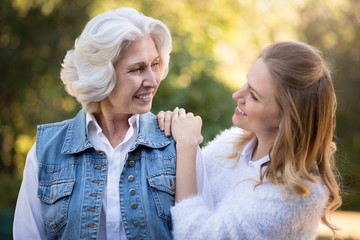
(256, 109)
(137, 78)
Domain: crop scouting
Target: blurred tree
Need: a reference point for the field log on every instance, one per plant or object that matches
(214, 43)
(33, 39)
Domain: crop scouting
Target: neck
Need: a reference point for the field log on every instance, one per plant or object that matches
(262, 148)
(114, 126)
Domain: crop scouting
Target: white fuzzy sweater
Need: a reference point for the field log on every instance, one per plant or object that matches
(242, 212)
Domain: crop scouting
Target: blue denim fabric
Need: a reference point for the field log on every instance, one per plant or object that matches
(72, 176)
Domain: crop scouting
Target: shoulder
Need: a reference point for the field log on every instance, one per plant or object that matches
(61, 124)
(150, 133)
(318, 195)
(53, 127)
(223, 142)
(53, 138)
(228, 134)
(292, 209)
(279, 213)
(148, 117)
(277, 194)
(49, 131)
(216, 151)
(149, 121)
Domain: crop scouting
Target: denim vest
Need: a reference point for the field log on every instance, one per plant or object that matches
(72, 176)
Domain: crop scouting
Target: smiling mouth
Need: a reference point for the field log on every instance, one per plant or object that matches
(147, 96)
(241, 112)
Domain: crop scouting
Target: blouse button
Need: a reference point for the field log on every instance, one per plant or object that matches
(132, 163)
(131, 178)
(132, 191)
(133, 205)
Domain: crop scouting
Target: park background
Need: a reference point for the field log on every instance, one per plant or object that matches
(214, 43)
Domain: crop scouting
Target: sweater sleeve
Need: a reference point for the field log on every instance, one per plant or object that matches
(263, 213)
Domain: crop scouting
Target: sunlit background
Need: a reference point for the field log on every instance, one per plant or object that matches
(214, 43)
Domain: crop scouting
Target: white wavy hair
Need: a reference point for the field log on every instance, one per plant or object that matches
(88, 69)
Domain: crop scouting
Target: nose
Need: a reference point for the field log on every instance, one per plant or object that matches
(235, 95)
(239, 96)
(151, 79)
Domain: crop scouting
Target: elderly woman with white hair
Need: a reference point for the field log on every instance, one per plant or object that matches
(108, 173)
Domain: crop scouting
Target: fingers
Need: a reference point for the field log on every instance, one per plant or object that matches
(164, 121)
(199, 119)
(179, 113)
(201, 138)
(167, 120)
(182, 112)
(175, 115)
(161, 119)
(167, 123)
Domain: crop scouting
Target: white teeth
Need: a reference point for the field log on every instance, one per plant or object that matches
(242, 112)
(145, 96)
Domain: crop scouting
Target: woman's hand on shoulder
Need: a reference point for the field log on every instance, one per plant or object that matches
(185, 127)
(164, 120)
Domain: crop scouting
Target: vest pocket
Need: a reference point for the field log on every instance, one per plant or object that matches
(55, 197)
(163, 190)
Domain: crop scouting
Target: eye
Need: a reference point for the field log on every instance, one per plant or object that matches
(155, 64)
(253, 96)
(136, 70)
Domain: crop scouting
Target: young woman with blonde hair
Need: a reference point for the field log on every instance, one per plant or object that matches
(273, 175)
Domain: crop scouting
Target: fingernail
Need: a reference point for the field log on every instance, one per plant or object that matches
(161, 128)
(167, 133)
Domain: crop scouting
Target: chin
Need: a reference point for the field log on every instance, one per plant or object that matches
(235, 122)
(143, 110)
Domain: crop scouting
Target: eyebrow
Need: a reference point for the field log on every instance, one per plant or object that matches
(257, 93)
(143, 63)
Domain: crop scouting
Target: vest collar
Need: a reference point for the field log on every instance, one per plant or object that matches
(76, 139)
(150, 134)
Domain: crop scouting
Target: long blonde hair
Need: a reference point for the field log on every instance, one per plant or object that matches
(306, 98)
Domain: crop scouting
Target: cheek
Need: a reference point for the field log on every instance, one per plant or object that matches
(158, 80)
(158, 77)
(273, 118)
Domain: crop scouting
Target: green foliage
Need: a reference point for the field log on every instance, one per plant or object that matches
(6, 219)
(204, 97)
(214, 43)
(32, 47)
(9, 188)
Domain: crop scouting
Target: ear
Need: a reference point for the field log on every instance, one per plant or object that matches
(281, 124)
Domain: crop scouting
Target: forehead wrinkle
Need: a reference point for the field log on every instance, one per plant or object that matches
(143, 63)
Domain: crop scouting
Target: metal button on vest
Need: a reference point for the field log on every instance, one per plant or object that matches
(136, 223)
(132, 163)
(133, 205)
(132, 191)
(131, 178)
(141, 239)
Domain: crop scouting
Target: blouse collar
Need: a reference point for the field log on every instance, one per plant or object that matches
(246, 155)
